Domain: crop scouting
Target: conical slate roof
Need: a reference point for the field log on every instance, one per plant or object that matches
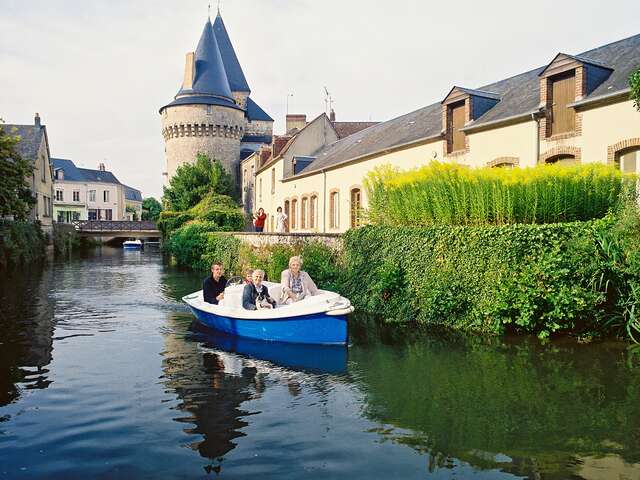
(210, 75)
(235, 75)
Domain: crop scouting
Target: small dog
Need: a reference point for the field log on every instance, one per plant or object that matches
(262, 302)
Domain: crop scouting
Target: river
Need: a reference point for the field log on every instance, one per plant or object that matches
(103, 374)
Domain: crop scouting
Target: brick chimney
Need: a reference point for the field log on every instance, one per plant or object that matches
(189, 71)
(295, 120)
(37, 120)
(101, 167)
(332, 116)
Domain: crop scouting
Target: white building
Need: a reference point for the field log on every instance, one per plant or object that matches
(86, 194)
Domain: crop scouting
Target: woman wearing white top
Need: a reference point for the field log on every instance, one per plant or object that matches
(296, 284)
(281, 220)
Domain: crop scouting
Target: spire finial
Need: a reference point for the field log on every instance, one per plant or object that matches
(218, 7)
(209, 12)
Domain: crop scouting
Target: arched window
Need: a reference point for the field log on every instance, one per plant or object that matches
(304, 205)
(629, 160)
(287, 211)
(564, 159)
(313, 205)
(294, 214)
(334, 210)
(356, 207)
(271, 229)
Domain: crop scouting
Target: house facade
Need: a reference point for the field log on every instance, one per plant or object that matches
(87, 194)
(574, 109)
(133, 203)
(34, 146)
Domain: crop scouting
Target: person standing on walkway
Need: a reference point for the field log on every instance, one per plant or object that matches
(259, 219)
(281, 221)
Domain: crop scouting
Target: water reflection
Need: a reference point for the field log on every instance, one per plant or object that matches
(540, 411)
(26, 331)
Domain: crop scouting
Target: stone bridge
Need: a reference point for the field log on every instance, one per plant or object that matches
(116, 228)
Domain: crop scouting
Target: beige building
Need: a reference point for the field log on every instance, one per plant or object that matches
(575, 109)
(34, 146)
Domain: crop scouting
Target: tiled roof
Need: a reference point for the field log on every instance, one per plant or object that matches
(344, 129)
(30, 138)
(254, 112)
(101, 176)
(235, 75)
(71, 172)
(519, 96)
(131, 193)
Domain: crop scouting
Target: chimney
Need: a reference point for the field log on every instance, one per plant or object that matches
(37, 120)
(332, 116)
(101, 167)
(189, 71)
(294, 120)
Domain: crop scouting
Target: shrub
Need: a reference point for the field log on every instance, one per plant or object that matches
(188, 243)
(20, 242)
(170, 221)
(448, 194)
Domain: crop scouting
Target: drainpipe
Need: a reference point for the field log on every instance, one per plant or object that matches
(324, 202)
(536, 118)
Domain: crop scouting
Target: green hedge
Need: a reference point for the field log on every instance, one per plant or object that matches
(20, 242)
(576, 277)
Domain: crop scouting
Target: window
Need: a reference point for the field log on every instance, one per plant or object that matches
(294, 213)
(286, 212)
(273, 181)
(92, 195)
(565, 159)
(313, 205)
(456, 121)
(59, 195)
(105, 195)
(46, 204)
(356, 207)
(304, 204)
(334, 210)
(629, 160)
(563, 92)
(271, 229)
(108, 214)
(76, 196)
(245, 180)
(43, 167)
(260, 190)
(209, 109)
(92, 214)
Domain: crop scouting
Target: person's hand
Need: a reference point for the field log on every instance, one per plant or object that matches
(220, 297)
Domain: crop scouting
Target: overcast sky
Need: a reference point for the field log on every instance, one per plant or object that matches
(98, 71)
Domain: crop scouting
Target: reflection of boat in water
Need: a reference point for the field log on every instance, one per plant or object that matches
(132, 244)
(318, 319)
(313, 358)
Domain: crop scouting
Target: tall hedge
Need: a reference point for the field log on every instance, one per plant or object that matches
(20, 242)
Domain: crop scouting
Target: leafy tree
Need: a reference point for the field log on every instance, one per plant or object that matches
(192, 182)
(634, 84)
(16, 198)
(151, 209)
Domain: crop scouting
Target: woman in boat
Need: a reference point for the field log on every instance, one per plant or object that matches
(295, 283)
(256, 292)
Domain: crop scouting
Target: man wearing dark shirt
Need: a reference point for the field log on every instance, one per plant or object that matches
(213, 285)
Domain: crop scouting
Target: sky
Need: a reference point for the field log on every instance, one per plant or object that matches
(97, 71)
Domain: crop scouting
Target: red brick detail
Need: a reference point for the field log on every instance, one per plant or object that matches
(612, 150)
(515, 161)
(554, 152)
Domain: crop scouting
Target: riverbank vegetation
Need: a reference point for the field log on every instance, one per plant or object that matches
(20, 242)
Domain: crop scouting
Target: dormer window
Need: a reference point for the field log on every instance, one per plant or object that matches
(456, 121)
(562, 93)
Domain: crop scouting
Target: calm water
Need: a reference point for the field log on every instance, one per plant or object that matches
(103, 375)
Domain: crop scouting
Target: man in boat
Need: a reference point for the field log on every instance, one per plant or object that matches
(213, 286)
(256, 292)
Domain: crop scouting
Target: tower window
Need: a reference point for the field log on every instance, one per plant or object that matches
(209, 109)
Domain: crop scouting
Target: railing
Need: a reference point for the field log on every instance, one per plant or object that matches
(114, 226)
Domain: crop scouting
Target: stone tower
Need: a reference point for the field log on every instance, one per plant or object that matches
(204, 117)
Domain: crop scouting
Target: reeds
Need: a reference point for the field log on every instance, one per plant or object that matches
(449, 194)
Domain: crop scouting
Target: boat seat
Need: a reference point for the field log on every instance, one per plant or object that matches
(275, 291)
(232, 300)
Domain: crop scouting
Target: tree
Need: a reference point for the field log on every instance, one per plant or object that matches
(151, 209)
(634, 85)
(16, 198)
(192, 182)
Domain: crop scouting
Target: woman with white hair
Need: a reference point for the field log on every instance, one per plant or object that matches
(295, 283)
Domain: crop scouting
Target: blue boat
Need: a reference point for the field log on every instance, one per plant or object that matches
(318, 319)
(132, 245)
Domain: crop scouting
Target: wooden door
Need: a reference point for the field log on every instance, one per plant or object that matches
(457, 122)
(286, 212)
(563, 118)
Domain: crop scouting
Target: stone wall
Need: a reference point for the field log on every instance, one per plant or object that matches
(213, 130)
(333, 240)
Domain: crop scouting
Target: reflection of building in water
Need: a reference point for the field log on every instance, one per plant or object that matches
(27, 320)
(211, 387)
